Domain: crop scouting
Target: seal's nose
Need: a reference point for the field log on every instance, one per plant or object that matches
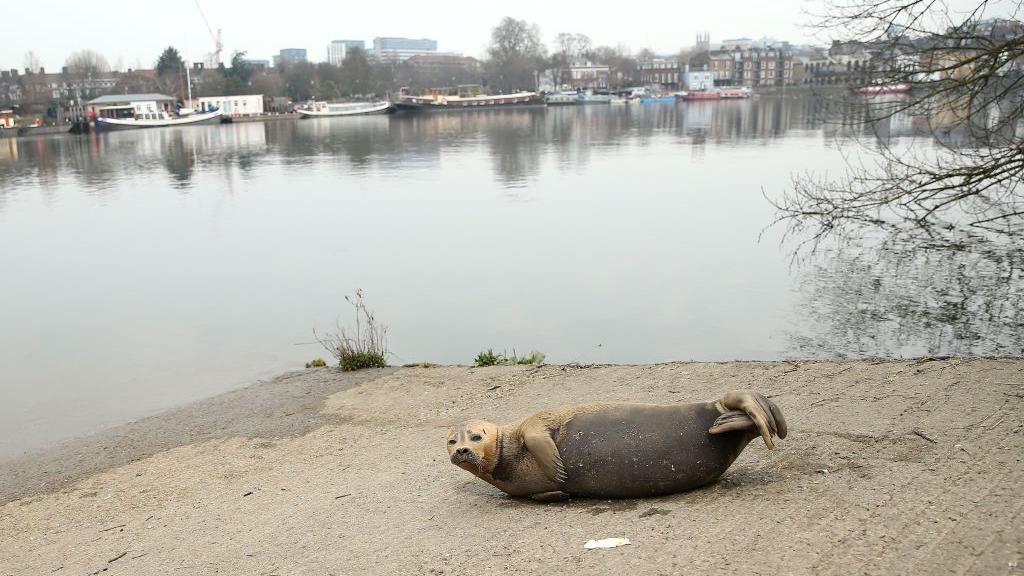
(462, 451)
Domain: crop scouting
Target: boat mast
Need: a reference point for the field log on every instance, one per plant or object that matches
(181, 82)
(188, 75)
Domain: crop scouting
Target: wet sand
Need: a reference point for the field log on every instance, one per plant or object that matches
(891, 467)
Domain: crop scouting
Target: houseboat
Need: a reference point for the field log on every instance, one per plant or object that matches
(127, 111)
(464, 98)
(322, 109)
(562, 99)
(715, 94)
(698, 95)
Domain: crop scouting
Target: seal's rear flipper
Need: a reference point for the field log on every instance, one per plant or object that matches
(765, 415)
(732, 421)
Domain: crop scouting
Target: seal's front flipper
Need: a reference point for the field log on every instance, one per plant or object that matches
(556, 496)
(733, 421)
(539, 443)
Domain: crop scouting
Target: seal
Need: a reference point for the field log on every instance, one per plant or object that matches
(615, 450)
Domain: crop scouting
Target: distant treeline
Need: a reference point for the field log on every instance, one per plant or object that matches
(515, 60)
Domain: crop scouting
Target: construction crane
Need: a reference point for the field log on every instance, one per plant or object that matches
(218, 45)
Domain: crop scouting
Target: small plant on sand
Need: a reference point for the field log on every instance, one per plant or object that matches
(489, 358)
(360, 360)
(534, 357)
(318, 363)
(365, 347)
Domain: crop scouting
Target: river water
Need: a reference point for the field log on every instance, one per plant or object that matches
(145, 269)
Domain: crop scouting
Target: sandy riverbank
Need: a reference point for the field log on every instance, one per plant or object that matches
(891, 468)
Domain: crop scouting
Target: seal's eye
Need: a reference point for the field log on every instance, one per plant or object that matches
(476, 438)
(452, 441)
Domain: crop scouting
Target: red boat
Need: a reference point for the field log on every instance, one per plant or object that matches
(705, 95)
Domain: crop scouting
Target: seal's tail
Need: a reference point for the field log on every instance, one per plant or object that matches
(751, 411)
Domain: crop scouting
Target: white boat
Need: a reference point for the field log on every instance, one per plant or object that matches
(156, 120)
(589, 97)
(875, 89)
(319, 109)
(116, 112)
(736, 92)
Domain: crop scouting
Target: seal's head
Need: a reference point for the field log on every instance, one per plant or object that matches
(473, 446)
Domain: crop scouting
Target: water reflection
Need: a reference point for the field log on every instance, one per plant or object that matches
(515, 140)
(96, 161)
(913, 297)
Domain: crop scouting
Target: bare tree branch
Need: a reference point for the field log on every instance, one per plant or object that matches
(965, 71)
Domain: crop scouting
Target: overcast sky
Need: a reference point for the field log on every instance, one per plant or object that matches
(133, 34)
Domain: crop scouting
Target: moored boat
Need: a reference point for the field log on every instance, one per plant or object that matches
(715, 94)
(325, 109)
(657, 99)
(590, 97)
(881, 89)
(562, 99)
(738, 92)
(464, 98)
(156, 120)
(699, 95)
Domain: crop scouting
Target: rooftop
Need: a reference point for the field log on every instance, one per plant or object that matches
(436, 58)
(117, 98)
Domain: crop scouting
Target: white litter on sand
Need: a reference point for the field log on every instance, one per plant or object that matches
(606, 543)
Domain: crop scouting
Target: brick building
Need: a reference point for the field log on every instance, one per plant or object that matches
(663, 72)
(757, 66)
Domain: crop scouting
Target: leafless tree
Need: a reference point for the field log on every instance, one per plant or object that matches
(573, 46)
(82, 68)
(32, 63)
(623, 67)
(646, 55)
(86, 62)
(965, 70)
(515, 54)
(569, 48)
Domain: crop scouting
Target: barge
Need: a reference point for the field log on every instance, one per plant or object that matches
(464, 98)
